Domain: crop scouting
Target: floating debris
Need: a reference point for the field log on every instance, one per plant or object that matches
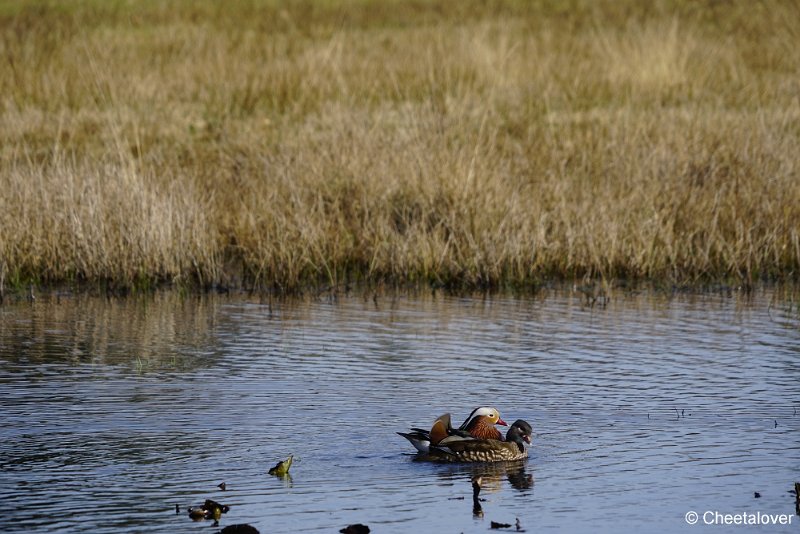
(209, 510)
(282, 468)
(797, 497)
(358, 528)
(239, 529)
(197, 513)
(757, 495)
(496, 525)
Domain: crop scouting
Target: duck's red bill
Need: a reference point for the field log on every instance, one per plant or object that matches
(501, 422)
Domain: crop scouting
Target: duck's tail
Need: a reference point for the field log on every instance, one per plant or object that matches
(418, 438)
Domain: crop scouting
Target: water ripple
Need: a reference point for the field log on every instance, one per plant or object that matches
(115, 411)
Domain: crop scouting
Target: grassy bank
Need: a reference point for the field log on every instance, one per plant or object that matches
(459, 143)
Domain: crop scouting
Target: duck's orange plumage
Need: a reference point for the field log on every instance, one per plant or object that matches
(440, 429)
(483, 428)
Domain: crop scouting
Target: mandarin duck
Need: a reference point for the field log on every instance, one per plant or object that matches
(455, 448)
(479, 424)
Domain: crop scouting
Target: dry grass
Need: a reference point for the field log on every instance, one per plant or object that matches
(466, 144)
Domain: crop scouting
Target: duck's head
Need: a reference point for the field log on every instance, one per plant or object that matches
(487, 414)
(519, 431)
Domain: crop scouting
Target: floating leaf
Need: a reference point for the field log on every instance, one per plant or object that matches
(282, 468)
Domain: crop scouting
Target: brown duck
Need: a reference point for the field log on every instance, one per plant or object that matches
(479, 424)
(455, 448)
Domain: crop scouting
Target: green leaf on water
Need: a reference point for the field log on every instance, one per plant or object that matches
(282, 468)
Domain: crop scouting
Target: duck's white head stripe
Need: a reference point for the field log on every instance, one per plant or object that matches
(477, 412)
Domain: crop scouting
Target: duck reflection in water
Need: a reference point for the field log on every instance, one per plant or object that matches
(490, 474)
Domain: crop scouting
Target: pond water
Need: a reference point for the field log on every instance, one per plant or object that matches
(115, 410)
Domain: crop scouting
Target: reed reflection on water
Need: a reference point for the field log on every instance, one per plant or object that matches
(115, 410)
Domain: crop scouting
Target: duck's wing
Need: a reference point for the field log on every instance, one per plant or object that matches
(442, 450)
(457, 438)
(421, 439)
(459, 444)
(441, 429)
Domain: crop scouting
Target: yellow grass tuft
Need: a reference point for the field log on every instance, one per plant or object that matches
(470, 143)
